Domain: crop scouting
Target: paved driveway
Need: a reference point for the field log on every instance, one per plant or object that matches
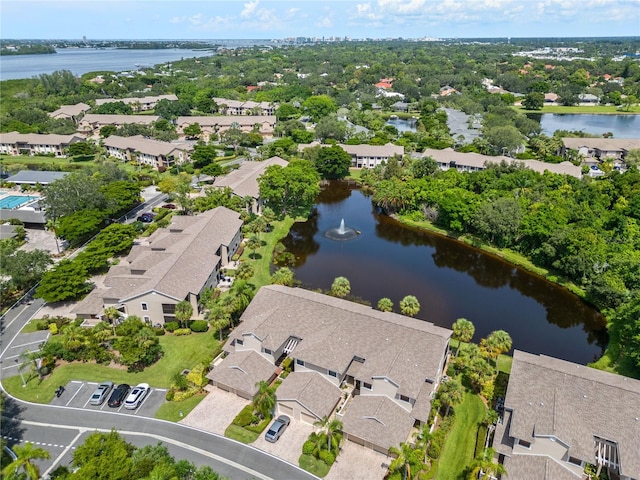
(216, 412)
(289, 445)
(358, 463)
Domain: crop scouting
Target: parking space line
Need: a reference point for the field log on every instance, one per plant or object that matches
(27, 344)
(10, 366)
(76, 381)
(143, 402)
(17, 356)
(64, 452)
(74, 396)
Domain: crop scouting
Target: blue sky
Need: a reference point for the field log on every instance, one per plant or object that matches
(211, 19)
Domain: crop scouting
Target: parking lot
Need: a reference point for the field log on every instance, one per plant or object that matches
(78, 394)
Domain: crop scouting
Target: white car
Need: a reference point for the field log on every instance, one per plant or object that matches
(136, 396)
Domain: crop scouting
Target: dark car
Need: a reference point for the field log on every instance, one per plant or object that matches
(277, 428)
(118, 395)
(170, 206)
(146, 218)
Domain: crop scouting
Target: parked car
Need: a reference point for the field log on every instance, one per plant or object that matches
(118, 395)
(136, 396)
(277, 429)
(146, 218)
(170, 206)
(101, 393)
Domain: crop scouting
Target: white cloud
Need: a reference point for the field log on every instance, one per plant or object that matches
(324, 22)
(249, 9)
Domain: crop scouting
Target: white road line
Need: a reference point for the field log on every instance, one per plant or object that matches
(75, 381)
(18, 356)
(27, 344)
(64, 452)
(74, 396)
(145, 399)
(10, 366)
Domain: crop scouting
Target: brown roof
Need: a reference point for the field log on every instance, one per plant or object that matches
(108, 119)
(604, 144)
(378, 420)
(137, 100)
(529, 467)
(311, 390)
(226, 120)
(574, 403)
(244, 180)
(70, 110)
(242, 371)
(143, 145)
(332, 331)
(12, 138)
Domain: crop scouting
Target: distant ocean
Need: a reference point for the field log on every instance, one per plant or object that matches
(83, 60)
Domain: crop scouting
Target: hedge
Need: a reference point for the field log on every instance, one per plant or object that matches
(171, 326)
(199, 326)
(182, 331)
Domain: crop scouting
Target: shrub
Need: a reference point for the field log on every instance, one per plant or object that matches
(171, 326)
(170, 395)
(159, 331)
(199, 326)
(244, 417)
(180, 396)
(43, 325)
(182, 331)
(197, 376)
(308, 447)
(327, 457)
(53, 329)
(287, 364)
(259, 428)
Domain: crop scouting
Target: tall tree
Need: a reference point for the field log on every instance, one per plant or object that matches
(497, 343)
(26, 454)
(409, 305)
(450, 394)
(385, 305)
(291, 189)
(340, 287)
(333, 162)
(331, 426)
(265, 399)
(463, 331)
(407, 460)
(485, 465)
(183, 312)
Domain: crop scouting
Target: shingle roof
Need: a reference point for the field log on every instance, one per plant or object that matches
(70, 110)
(314, 392)
(43, 177)
(143, 145)
(378, 420)
(12, 138)
(140, 100)
(244, 180)
(242, 371)
(606, 144)
(108, 119)
(362, 150)
(528, 467)
(549, 396)
(226, 120)
(476, 160)
(332, 331)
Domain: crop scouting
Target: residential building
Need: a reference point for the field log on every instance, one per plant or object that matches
(380, 369)
(263, 124)
(244, 180)
(139, 104)
(91, 123)
(146, 151)
(14, 143)
(560, 416)
(70, 112)
(248, 107)
(363, 156)
(596, 150)
(173, 264)
(35, 177)
(475, 162)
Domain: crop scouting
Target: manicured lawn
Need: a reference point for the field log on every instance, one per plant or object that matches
(599, 109)
(31, 326)
(176, 411)
(504, 363)
(240, 434)
(458, 449)
(179, 353)
(312, 465)
(41, 160)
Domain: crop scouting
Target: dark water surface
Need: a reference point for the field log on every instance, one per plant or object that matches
(450, 279)
(621, 125)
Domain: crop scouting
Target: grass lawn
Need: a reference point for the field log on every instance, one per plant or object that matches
(240, 434)
(504, 363)
(176, 411)
(42, 160)
(312, 465)
(458, 449)
(179, 353)
(31, 326)
(597, 109)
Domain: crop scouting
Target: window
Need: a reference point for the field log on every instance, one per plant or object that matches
(239, 342)
(299, 362)
(524, 444)
(331, 373)
(147, 319)
(267, 351)
(404, 398)
(367, 386)
(145, 307)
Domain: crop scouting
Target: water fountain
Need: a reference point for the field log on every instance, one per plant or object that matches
(342, 232)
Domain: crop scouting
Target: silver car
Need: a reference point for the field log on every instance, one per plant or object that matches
(101, 393)
(277, 429)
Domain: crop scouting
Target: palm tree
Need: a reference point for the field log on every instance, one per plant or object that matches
(497, 343)
(463, 331)
(244, 271)
(409, 305)
(243, 293)
(265, 399)
(406, 458)
(340, 287)
(423, 440)
(282, 276)
(31, 359)
(485, 465)
(450, 393)
(330, 427)
(253, 244)
(218, 317)
(26, 454)
(385, 305)
(52, 225)
(184, 311)
(112, 314)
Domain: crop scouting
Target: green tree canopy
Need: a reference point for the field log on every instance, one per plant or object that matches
(333, 162)
(291, 189)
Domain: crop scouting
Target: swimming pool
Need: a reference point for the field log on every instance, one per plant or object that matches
(14, 201)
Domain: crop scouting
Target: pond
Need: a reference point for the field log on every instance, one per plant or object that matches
(403, 125)
(622, 126)
(451, 280)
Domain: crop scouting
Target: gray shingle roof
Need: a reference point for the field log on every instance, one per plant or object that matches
(226, 121)
(607, 144)
(36, 176)
(71, 110)
(333, 331)
(242, 370)
(108, 119)
(244, 180)
(378, 420)
(528, 467)
(549, 396)
(312, 391)
(144, 145)
(12, 138)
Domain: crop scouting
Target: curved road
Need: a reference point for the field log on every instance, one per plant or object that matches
(64, 427)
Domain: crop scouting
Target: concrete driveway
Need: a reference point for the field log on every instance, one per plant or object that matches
(358, 463)
(216, 412)
(289, 445)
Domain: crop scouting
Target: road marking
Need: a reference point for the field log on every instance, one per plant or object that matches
(143, 400)
(74, 396)
(30, 343)
(64, 452)
(10, 366)
(18, 356)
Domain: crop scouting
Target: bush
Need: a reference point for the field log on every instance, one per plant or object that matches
(182, 331)
(287, 364)
(53, 329)
(199, 326)
(197, 376)
(159, 331)
(327, 457)
(171, 326)
(180, 396)
(259, 428)
(308, 447)
(43, 325)
(244, 417)
(170, 395)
